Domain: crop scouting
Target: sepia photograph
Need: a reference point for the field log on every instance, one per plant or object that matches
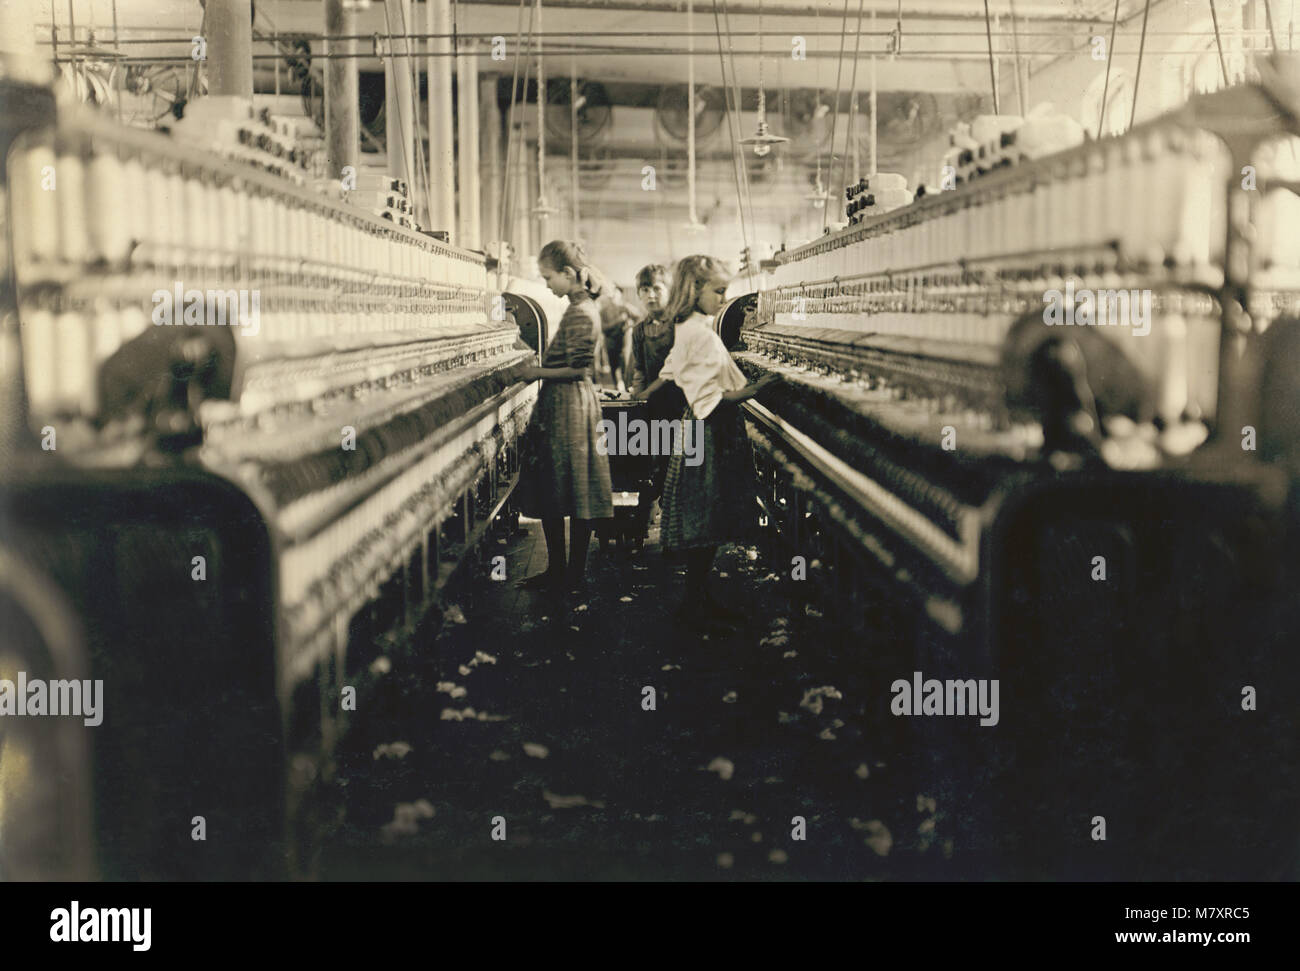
(651, 441)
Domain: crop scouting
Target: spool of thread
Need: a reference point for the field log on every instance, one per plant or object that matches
(1128, 187)
(158, 233)
(175, 199)
(138, 206)
(1079, 207)
(1206, 177)
(269, 239)
(1217, 229)
(261, 212)
(105, 326)
(73, 361)
(1177, 181)
(319, 237)
(105, 331)
(290, 236)
(1013, 219)
(1060, 203)
(70, 196)
(219, 225)
(195, 233)
(33, 181)
(107, 203)
(1092, 203)
(40, 364)
(1161, 184)
(995, 212)
(1203, 335)
(302, 236)
(361, 251)
(238, 206)
(1169, 335)
(1279, 213)
(305, 249)
(1042, 194)
(283, 234)
(340, 247)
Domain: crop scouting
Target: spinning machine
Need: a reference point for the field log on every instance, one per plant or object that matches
(998, 485)
(261, 428)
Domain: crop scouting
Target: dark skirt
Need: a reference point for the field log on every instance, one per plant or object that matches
(711, 503)
(666, 404)
(562, 472)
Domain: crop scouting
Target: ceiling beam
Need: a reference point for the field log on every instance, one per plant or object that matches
(932, 58)
(886, 10)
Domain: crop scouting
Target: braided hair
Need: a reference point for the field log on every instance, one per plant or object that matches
(561, 253)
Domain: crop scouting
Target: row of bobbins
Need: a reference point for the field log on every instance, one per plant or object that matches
(1159, 196)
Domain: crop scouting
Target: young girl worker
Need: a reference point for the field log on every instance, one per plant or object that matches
(562, 472)
(652, 339)
(712, 502)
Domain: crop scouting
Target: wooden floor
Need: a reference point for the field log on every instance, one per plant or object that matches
(534, 716)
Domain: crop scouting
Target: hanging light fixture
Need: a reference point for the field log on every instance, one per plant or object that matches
(543, 210)
(763, 140)
(819, 195)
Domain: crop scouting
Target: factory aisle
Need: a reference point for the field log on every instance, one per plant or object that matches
(538, 718)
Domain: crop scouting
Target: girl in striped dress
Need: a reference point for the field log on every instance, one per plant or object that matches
(710, 502)
(562, 471)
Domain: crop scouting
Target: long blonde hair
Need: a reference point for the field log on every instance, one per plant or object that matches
(561, 253)
(689, 277)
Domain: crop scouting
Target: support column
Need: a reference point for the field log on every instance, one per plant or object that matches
(490, 151)
(20, 61)
(467, 140)
(410, 68)
(19, 57)
(399, 104)
(230, 48)
(521, 237)
(344, 126)
(442, 171)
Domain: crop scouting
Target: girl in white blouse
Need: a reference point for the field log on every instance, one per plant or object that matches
(710, 502)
